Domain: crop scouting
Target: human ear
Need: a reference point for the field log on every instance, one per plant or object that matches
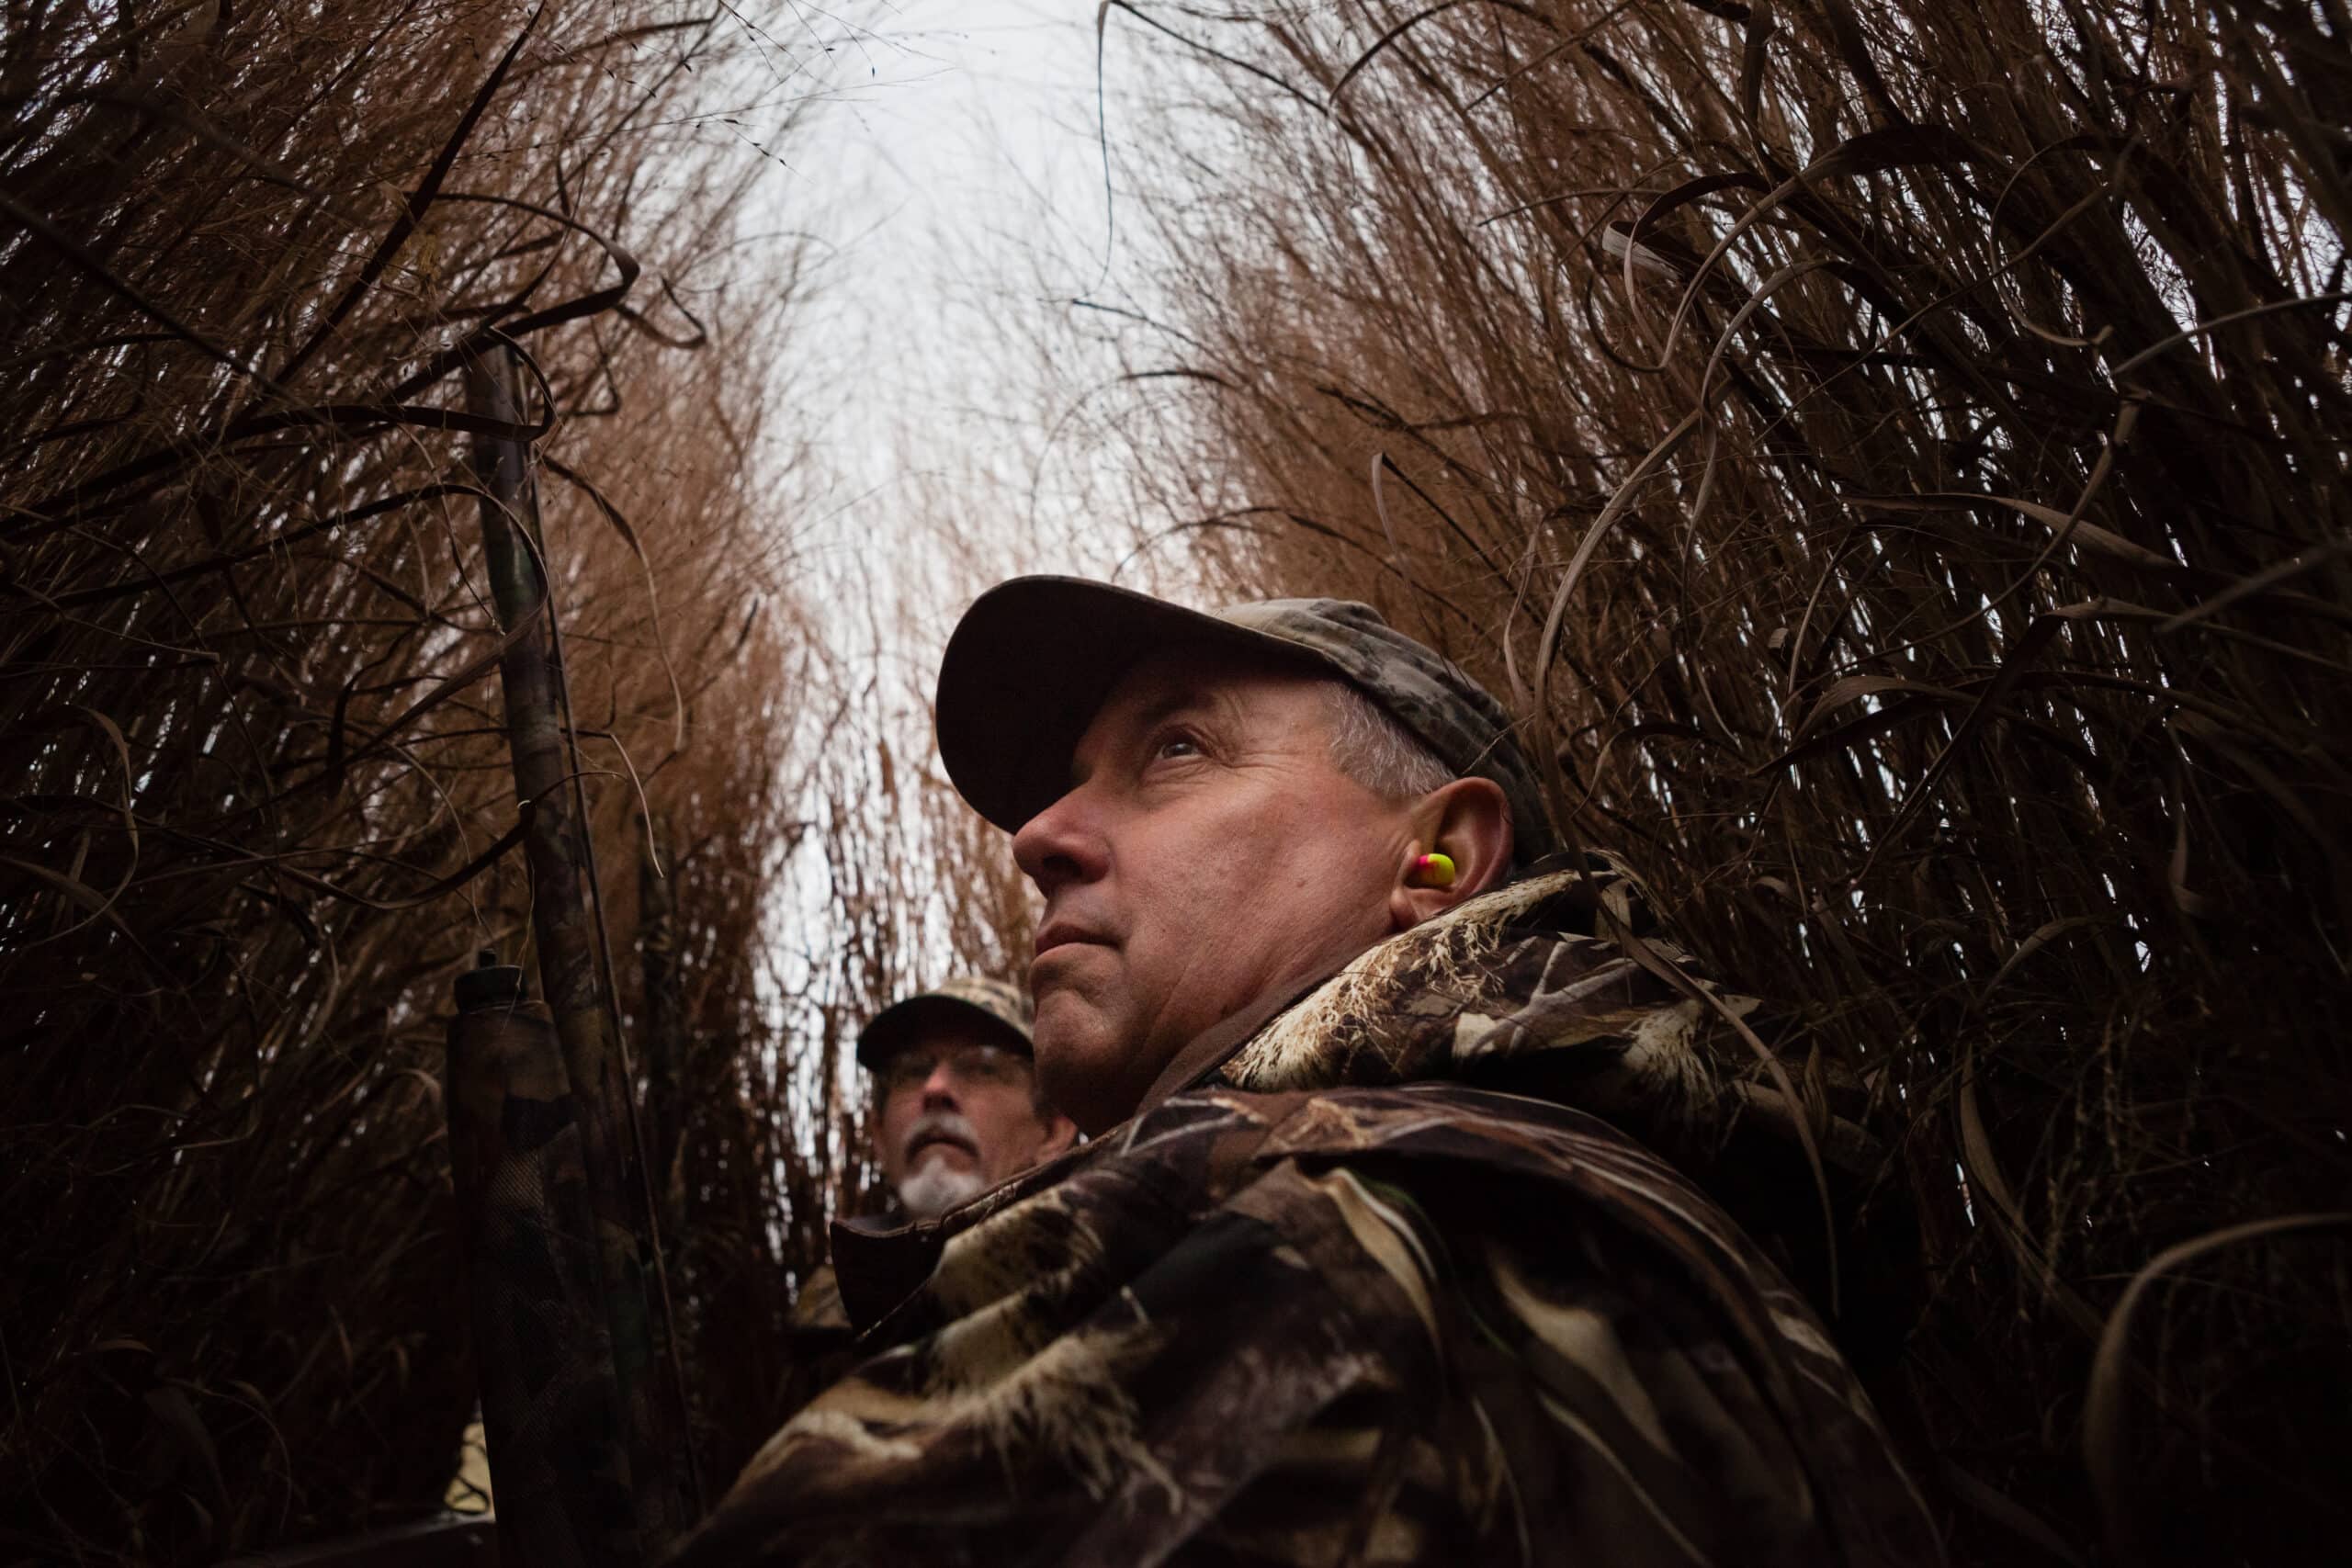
(1468, 821)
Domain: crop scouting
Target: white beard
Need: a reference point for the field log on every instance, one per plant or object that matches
(937, 1187)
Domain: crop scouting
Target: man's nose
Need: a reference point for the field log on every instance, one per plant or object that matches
(1061, 844)
(939, 1088)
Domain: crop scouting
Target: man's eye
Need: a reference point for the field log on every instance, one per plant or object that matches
(1176, 746)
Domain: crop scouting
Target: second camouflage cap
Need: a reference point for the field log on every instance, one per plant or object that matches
(1033, 660)
(1002, 1008)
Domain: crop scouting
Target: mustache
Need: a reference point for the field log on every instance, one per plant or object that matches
(942, 1127)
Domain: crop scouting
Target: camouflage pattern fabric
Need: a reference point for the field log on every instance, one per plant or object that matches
(819, 1337)
(1345, 1299)
(551, 1405)
(1518, 991)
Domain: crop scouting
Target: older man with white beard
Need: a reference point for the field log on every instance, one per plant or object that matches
(957, 1111)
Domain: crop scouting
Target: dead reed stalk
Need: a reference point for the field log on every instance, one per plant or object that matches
(256, 805)
(1896, 456)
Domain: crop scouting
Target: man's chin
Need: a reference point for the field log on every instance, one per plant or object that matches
(938, 1154)
(938, 1187)
(1084, 1067)
(1065, 1026)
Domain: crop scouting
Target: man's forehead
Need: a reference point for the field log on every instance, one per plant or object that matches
(1180, 680)
(1204, 673)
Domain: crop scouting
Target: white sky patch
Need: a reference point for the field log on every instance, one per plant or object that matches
(948, 183)
(953, 184)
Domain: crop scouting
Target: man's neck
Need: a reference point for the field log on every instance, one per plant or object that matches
(1210, 1049)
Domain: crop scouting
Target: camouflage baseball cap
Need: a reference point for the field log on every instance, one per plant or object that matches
(1033, 660)
(967, 999)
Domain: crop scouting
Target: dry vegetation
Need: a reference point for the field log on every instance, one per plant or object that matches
(1895, 455)
(253, 794)
(1795, 408)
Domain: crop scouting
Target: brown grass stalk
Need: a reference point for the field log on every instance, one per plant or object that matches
(251, 761)
(1897, 456)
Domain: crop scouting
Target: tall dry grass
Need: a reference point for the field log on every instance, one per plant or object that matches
(1895, 456)
(254, 791)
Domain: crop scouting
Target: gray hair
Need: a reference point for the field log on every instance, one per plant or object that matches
(1369, 746)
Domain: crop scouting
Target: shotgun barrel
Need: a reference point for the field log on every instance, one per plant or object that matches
(574, 974)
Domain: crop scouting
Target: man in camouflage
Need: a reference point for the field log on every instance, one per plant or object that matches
(956, 1112)
(1405, 1237)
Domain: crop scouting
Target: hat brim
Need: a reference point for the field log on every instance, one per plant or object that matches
(1028, 667)
(896, 1024)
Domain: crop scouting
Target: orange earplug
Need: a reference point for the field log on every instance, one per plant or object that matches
(1433, 871)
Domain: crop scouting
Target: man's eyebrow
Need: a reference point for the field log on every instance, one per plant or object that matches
(1170, 703)
(1167, 706)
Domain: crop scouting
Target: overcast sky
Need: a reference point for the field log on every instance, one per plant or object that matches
(953, 177)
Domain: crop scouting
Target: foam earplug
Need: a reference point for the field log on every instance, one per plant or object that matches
(1433, 871)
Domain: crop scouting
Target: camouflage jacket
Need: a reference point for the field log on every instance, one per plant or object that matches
(1403, 1276)
(817, 1338)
